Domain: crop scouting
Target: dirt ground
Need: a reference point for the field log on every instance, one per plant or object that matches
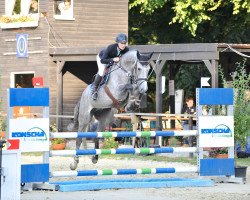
(221, 191)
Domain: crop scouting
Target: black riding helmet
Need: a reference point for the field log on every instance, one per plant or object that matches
(121, 38)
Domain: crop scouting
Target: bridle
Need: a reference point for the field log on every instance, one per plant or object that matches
(133, 77)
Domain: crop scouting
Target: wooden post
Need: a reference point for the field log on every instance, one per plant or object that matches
(59, 108)
(134, 121)
(158, 97)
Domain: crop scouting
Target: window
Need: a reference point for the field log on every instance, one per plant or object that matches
(63, 9)
(21, 79)
(16, 8)
(19, 12)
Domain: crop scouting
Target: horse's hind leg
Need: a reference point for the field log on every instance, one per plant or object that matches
(79, 141)
(95, 157)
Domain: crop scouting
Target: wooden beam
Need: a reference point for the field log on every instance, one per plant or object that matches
(75, 58)
(170, 48)
(59, 108)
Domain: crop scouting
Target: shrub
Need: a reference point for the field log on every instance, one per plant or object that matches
(110, 143)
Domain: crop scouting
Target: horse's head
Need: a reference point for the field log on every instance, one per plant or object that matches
(142, 70)
(137, 65)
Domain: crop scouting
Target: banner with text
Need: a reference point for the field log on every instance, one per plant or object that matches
(216, 131)
(32, 133)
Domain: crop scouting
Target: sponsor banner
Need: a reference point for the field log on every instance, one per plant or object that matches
(216, 131)
(32, 133)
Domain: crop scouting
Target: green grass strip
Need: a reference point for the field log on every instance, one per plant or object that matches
(107, 172)
(106, 151)
(146, 171)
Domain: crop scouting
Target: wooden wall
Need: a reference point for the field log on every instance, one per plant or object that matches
(95, 24)
(37, 62)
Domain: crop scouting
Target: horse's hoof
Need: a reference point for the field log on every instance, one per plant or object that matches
(94, 159)
(76, 159)
(73, 166)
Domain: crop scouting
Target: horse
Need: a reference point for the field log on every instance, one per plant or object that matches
(125, 79)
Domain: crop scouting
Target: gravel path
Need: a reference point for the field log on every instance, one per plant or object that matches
(221, 191)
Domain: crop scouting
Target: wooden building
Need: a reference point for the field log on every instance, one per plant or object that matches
(90, 24)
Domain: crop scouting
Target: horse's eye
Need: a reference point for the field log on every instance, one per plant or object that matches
(139, 69)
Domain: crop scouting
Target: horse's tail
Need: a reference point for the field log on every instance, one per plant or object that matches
(74, 124)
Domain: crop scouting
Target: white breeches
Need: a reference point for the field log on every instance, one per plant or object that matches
(101, 66)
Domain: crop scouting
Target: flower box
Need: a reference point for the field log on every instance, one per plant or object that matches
(18, 24)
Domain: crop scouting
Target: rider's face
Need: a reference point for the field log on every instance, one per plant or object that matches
(122, 45)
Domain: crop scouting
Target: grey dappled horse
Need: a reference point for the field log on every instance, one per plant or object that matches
(126, 78)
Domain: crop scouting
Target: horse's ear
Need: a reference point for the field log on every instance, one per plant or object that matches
(138, 55)
(150, 55)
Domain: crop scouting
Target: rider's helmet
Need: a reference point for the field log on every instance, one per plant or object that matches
(121, 38)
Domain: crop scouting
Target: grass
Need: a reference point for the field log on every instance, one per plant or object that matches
(243, 161)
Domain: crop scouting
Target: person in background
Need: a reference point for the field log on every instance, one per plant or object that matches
(34, 6)
(66, 8)
(109, 56)
(189, 108)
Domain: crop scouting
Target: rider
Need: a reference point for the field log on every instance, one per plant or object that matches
(109, 56)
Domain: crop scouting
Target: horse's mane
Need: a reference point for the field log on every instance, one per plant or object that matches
(129, 58)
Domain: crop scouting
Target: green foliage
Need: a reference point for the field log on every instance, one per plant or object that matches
(220, 20)
(17, 7)
(188, 78)
(240, 81)
(58, 140)
(3, 123)
(53, 128)
(110, 143)
(147, 6)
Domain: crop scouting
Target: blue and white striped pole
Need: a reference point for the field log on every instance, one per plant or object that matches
(123, 171)
(122, 134)
(123, 151)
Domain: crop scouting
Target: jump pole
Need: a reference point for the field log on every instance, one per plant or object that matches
(82, 152)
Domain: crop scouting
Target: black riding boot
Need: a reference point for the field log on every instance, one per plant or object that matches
(94, 86)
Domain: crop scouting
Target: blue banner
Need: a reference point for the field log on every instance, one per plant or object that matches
(22, 45)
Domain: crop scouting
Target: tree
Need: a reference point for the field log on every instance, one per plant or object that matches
(192, 13)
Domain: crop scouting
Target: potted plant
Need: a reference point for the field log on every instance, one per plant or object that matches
(240, 81)
(218, 152)
(57, 143)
